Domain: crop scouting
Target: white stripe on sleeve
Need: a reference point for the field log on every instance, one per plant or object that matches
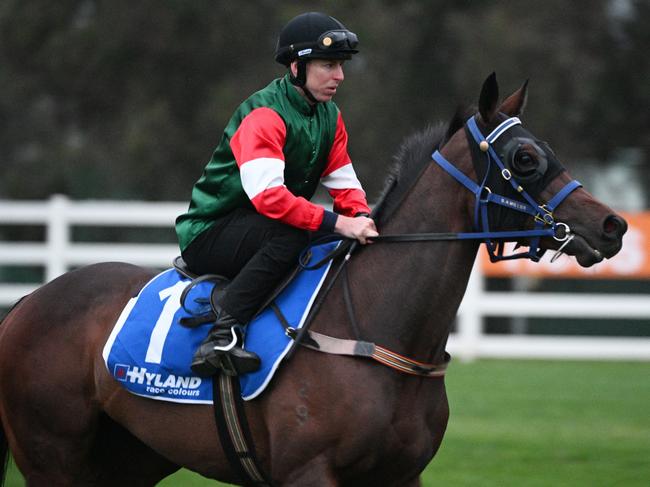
(260, 174)
(343, 178)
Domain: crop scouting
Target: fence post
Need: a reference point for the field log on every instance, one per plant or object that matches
(57, 236)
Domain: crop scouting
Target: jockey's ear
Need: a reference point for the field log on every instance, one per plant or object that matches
(489, 98)
(514, 105)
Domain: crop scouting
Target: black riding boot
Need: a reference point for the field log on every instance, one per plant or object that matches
(220, 350)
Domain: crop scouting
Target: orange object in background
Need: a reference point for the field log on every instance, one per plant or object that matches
(632, 262)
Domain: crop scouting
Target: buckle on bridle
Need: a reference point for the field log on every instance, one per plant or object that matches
(547, 217)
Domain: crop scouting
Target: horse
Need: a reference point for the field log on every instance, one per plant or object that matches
(325, 420)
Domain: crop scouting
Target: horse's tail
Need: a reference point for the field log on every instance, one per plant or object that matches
(4, 444)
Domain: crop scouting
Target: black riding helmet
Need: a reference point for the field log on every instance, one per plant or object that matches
(313, 35)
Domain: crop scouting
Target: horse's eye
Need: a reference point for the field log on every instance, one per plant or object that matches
(524, 160)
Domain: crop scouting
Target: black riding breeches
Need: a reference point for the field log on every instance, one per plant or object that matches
(254, 251)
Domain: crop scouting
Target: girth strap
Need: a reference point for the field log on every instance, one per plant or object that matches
(234, 433)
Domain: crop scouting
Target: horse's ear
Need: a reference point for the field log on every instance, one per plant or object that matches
(514, 105)
(487, 102)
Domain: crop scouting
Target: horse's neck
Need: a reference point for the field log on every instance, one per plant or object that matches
(412, 291)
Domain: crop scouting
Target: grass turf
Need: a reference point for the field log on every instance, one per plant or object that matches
(532, 423)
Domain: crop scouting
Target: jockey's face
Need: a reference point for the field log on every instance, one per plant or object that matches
(323, 77)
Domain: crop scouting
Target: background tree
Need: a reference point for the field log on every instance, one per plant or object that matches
(117, 99)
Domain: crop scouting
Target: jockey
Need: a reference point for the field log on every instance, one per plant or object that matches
(250, 215)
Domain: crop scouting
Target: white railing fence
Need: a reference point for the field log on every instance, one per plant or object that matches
(58, 252)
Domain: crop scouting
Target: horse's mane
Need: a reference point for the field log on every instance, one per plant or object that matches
(410, 160)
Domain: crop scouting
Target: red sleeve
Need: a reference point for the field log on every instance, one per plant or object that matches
(257, 147)
(339, 177)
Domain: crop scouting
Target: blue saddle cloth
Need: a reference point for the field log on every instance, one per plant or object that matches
(149, 352)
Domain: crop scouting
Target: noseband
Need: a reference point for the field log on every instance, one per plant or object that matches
(545, 224)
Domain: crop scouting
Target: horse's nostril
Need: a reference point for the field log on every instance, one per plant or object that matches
(614, 225)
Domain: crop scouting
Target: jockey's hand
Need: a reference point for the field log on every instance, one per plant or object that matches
(360, 227)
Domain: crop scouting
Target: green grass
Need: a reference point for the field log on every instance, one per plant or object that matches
(546, 423)
(533, 423)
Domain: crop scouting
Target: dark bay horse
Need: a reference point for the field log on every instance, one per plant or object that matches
(325, 420)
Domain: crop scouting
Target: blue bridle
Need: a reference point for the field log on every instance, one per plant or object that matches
(545, 224)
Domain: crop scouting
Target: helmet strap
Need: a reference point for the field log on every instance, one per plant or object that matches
(301, 80)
